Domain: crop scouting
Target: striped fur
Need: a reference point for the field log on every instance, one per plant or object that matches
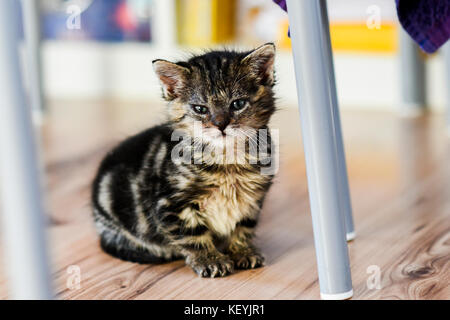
(149, 208)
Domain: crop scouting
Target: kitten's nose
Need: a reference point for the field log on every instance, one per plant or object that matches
(220, 121)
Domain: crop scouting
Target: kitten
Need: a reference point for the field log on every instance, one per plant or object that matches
(152, 205)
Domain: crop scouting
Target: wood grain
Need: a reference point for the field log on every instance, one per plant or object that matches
(400, 183)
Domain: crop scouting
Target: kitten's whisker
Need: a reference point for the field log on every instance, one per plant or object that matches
(249, 136)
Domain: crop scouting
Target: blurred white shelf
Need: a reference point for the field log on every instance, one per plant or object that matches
(91, 70)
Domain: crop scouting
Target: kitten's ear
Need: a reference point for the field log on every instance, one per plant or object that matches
(261, 62)
(171, 76)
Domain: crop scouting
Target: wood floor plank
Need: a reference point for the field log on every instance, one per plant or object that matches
(400, 185)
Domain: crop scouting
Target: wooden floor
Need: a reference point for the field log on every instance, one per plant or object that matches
(399, 172)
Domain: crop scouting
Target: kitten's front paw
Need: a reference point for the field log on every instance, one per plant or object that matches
(212, 267)
(248, 260)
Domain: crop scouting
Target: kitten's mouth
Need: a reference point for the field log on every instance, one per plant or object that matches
(220, 140)
(215, 134)
(223, 138)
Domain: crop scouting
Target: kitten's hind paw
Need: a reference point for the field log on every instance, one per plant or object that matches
(248, 260)
(212, 267)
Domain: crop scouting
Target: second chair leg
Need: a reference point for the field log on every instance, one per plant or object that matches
(446, 49)
(322, 144)
(30, 17)
(344, 188)
(412, 77)
(23, 225)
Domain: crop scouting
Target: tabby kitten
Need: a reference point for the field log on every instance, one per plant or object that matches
(149, 206)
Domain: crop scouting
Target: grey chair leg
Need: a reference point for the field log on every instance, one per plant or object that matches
(344, 188)
(412, 77)
(446, 50)
(327, 182)
(22, 212)
(32, 31)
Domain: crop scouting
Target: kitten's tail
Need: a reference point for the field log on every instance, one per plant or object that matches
(115, 242)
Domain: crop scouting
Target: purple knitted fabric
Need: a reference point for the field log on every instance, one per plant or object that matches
(282, 4)
(426, 21)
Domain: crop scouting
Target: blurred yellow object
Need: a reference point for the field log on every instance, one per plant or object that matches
(358, 37)
(205, 22)
(354, 36)
(284, 41)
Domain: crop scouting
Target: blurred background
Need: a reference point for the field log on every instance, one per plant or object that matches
(93, 59)
(105, 47)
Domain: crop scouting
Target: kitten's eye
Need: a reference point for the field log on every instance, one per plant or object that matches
(200, 109)
(238, 104)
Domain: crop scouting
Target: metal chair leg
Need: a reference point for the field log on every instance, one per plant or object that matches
(446, 49)
(412, 77)
(23, 225)
(344, 189)
(30, 14)
(322, 143)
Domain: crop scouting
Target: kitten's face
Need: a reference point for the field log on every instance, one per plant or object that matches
(228, 93)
